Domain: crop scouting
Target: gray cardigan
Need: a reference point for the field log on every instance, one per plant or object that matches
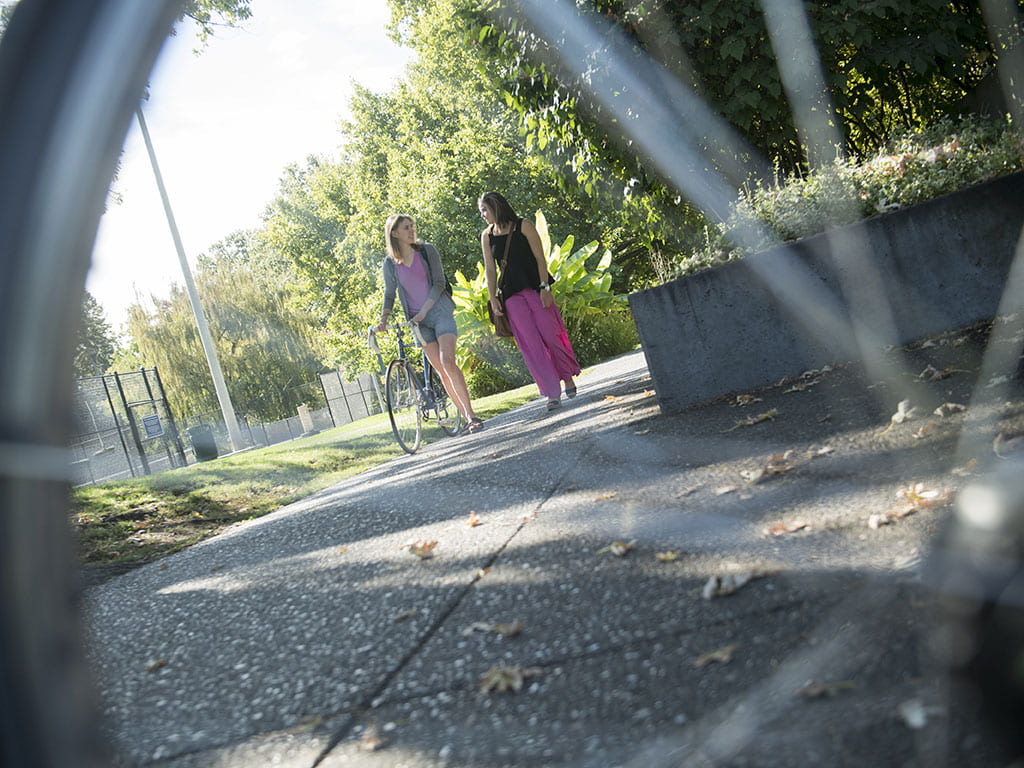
(434, 271)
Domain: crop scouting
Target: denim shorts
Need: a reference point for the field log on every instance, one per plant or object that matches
(440, 319)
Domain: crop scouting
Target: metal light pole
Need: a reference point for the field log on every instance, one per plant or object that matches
(226, 409)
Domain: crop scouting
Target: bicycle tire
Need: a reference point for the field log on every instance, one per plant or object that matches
(448, 417)
(404, 408)
(72, 71)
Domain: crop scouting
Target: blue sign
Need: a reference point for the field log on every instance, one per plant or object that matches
(152, 426)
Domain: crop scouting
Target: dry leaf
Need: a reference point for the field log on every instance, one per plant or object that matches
(948, 409)
(904, 412)
(933, 374)
(371, 740)
(403, 616)
(767, 416)
(617, 548)
(610, 398)
(153, 666)
(915, 714)
(423, 549)
(918, 497)
(924, 431)
(649, 393)
(606, 496)
(478, 626)
(966, 469)
(1004, 445)
(473, 520)
(508, 630)
(877, 520)
(668, 556)
(342, 549)
(781, 528)
(745, 400)
(503, 678)
(721, 655)
(815, 689)
(724, 489)
(689, 490)
(726, 584)
(479, 573)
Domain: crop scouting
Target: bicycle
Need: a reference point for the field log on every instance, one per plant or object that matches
(412, 399)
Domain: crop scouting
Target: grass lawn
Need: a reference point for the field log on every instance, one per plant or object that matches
(145, 518)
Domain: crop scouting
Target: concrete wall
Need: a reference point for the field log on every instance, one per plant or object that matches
(834, 297)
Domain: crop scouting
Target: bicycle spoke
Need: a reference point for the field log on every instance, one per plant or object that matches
(403, 406)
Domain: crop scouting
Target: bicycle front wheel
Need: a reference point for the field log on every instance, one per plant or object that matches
(404, 405)
(448, 416)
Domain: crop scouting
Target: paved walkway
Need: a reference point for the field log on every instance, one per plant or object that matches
(315, 633)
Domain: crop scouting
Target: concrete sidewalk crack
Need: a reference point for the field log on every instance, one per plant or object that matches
(371, 699)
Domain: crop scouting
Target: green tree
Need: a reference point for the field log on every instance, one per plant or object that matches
(96, 343)
(266, 345)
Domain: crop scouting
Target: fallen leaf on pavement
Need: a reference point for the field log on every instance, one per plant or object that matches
(423, 549)
(153, 666)
(688, 491)
(724, 489)
(508, 630)
(904, 412)
(915, 714)
(966, 469)
(478, 626)
(668, 556)
(606, 496)
(473, 520)
(766, 416)
(404, 615)
(722, 585)
(781, 528)
(1003, 445)
(649, 393)
(745, 400)
(933, 374)
(610, 398)
(924, 431)
(617, 548)
(501, 678)
(815, 689)
(371, 739)
(948, 409)
(918, 497)
(721, 655)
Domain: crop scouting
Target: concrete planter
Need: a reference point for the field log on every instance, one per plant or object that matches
(834, 297)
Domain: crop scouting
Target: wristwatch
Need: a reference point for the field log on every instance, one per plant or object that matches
(544, 287)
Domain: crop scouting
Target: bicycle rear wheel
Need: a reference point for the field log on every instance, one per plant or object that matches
(448, 416)
(404, 408)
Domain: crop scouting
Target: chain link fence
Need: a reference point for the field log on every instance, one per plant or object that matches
(126, 428)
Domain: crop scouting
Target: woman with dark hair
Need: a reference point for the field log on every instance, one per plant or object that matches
(413, 270)
(523, 287)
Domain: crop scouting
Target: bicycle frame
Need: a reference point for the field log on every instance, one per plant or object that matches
(427, 397)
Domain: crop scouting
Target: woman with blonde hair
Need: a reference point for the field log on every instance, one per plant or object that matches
(412, 269)
(522, 287)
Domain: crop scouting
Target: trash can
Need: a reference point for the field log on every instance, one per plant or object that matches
(203, 444)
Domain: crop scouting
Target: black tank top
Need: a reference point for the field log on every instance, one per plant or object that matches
(521, 271)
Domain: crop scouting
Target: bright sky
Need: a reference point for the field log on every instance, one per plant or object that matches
(225, 124)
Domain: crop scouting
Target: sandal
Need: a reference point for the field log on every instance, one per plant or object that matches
(554, 403)
(473, 425)
(570, 390)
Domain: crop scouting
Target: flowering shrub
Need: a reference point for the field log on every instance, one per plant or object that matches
(915, 167)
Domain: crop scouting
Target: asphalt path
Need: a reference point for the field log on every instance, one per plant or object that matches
(583, 620)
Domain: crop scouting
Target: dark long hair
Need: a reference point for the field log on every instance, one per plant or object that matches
(503, 211)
